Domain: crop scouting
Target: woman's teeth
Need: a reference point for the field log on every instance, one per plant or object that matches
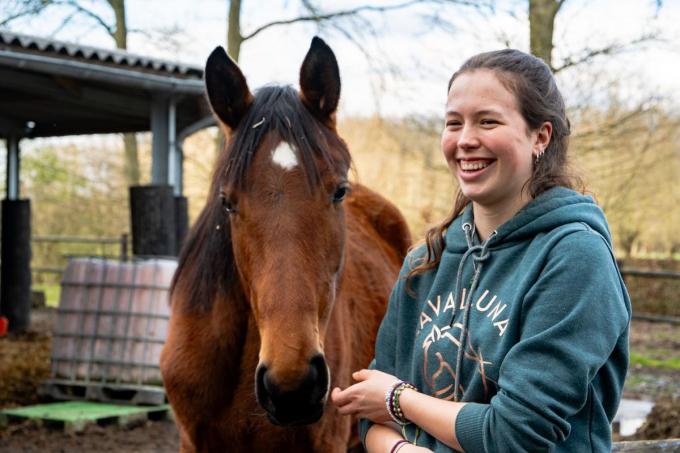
(471, 166)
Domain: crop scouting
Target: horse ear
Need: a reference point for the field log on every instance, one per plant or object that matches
(320, 81)
(228, 92)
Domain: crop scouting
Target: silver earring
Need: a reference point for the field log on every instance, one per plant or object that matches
(539, 155)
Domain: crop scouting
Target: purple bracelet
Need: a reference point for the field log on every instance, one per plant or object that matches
(389, 401)
(397, 445)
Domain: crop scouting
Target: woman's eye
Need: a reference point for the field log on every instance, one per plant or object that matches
(453, 124)
(488, 122)
(340, 193)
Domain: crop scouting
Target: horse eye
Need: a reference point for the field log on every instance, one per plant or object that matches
(228, 205)
(340, 193)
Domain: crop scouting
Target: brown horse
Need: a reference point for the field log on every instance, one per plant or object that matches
(285, 276)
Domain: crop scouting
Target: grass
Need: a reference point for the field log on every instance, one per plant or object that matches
(51, 291)
(639, 359)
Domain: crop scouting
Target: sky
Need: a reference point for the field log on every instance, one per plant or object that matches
(410, 60)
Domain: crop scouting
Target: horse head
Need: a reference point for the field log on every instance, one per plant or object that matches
(281, 180)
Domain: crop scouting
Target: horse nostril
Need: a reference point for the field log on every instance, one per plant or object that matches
(318, 373)
(262, 384)
(318, 365)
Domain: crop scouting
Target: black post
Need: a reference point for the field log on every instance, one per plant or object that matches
(152, 215)
(15, 271)
(181, 219)
(124, 247)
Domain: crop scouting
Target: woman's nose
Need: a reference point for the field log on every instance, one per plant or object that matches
(468, 138)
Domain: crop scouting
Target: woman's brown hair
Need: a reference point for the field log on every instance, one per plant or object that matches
(538, 101)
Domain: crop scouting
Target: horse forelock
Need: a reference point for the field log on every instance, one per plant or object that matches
(278, 110)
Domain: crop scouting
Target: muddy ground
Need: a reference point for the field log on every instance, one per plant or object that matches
(24, 363)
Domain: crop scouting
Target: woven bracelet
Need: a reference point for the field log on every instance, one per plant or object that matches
(398, 444)
(389, 401)
(394, 408)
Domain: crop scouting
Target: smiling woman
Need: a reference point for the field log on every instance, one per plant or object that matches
(526, 349)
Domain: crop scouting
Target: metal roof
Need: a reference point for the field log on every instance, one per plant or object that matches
(59, 88)
(50, 47)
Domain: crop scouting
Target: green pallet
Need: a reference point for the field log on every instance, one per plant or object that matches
(73, 416)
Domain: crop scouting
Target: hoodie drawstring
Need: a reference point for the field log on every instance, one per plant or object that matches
(477, 265)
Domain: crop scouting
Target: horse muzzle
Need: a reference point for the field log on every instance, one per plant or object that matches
(297, 406)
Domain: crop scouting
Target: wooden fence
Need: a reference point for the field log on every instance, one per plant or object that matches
(668, 310)
(87, 247)
(658, 300)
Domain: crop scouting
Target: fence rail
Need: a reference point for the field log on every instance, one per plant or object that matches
(123, 243)
(673, 275)
(51, 268)
(80, 239)
(632, 272)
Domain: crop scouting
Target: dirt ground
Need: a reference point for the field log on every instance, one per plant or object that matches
(150, 437)
(24, 363)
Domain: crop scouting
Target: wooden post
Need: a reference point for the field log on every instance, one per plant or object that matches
(15, 271)
(124, 247)
(152, 215)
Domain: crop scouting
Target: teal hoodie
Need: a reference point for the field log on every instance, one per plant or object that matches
(546, 334)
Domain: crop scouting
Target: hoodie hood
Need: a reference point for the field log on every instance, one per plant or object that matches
(553, 208)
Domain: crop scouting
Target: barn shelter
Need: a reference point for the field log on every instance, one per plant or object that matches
(50, 88)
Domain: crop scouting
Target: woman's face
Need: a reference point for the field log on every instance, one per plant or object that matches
(486, 142)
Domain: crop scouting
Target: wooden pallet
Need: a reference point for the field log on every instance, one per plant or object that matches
(104, 392)
(74, 416)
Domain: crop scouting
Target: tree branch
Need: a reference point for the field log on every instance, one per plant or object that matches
(64, 23)
(315, 17)
(607, 50)
(72, 3)
(29, 12)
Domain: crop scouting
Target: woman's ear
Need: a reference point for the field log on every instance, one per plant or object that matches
(228, 93)
(320, 81)
(543, 136)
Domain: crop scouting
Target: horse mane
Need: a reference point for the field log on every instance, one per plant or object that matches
(206, 267)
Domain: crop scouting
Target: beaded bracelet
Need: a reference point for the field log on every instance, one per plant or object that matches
(389, 401)
(397, 393)
(398, 444)
(392, 401)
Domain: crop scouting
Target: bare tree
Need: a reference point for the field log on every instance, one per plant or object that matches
(313, 13)
(542, 16)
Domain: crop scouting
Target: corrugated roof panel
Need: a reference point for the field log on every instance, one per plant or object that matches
(98, 55)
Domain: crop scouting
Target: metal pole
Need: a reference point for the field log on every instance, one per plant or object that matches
(173, 169)
(159, 141)
(179, 169)
(13, 163)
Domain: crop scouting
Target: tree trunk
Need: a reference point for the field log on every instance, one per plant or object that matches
(131, 154)
(131, 167)
(234, 38)
(234, 41)
(541, 23)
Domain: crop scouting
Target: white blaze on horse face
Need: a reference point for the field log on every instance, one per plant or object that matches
(284, 156)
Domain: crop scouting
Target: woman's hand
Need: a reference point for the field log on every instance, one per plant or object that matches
(366, 398)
